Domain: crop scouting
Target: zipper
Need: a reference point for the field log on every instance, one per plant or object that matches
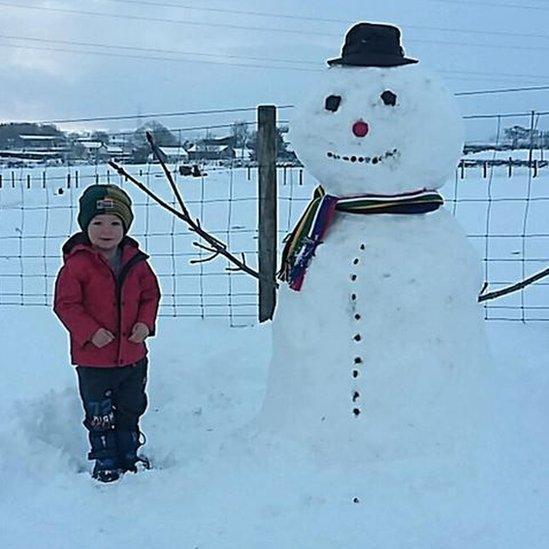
(140, 256)
(118, 281)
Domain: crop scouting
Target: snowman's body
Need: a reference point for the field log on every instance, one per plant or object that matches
(382, 352)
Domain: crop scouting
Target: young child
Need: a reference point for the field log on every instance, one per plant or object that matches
(107, 295)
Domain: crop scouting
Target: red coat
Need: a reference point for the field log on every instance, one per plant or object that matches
(88, 297)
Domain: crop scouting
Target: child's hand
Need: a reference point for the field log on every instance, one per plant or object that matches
(139, 332)
(101, 338)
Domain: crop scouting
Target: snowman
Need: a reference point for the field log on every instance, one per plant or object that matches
(379, 350)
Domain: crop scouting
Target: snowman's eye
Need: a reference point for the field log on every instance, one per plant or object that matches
(389, 98)
(332, 103)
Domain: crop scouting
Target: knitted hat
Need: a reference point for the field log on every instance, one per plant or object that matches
(104, 199)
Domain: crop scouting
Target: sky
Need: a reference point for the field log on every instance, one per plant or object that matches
(160, 56)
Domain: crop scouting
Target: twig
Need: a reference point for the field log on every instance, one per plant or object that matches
(514, 287)
(167, 173)
(218, 247)
(207, 248)
(209, 258)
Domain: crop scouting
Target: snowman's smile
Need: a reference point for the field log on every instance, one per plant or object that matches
(364, 159)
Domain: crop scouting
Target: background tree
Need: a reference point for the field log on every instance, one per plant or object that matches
(139, 145)
(101, 136)
(239, 131)
(522, 137)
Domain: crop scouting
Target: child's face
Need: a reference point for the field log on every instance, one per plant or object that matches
(106, 231)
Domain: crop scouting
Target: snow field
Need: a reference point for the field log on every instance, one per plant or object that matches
(212, 488)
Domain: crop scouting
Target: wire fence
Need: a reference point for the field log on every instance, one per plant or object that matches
(498, 194)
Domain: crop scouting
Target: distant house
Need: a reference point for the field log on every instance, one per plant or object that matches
(243, 154)
(118, 154)
(118, 139)
(36, 149)
(202, 152)
(96, 151)
(42, 142)
(171, 154)
(92, 145)
(225, 140)
(17, 157)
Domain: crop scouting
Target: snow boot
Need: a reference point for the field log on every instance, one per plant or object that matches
(106, 470)
(128, 443)
(101, 432)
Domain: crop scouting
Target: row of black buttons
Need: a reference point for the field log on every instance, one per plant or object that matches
(357, 337)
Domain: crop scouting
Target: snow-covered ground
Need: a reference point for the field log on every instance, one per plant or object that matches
(207, 381)
(210, 487)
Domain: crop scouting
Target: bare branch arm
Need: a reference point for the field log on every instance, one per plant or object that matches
(514, 287)
(219, 247)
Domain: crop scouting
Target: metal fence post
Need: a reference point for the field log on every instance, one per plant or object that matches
(267, 209)
(531, 148)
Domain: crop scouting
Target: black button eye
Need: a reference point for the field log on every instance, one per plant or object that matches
(389, 98)
(332, 103)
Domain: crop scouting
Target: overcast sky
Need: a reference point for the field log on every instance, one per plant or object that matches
(473, 45)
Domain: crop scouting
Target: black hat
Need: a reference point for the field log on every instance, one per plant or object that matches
(372, 45)
(104, 199)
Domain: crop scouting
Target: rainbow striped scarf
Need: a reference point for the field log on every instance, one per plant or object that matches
(301, 243)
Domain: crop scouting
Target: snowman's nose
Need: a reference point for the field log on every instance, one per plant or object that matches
(360, 128)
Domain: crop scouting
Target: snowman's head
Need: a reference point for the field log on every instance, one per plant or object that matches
(379, 130)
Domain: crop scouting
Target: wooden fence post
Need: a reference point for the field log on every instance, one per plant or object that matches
(267, 210)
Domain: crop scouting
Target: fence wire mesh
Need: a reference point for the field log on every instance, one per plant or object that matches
(39, 211)
(499, 194)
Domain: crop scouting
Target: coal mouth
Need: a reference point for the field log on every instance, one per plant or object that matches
(365, 159)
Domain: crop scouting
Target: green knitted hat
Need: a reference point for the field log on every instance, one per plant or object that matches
(104, 199)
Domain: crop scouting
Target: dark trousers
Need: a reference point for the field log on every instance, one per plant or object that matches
(114, 399)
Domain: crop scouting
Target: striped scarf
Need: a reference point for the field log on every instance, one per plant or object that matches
(301, 243)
